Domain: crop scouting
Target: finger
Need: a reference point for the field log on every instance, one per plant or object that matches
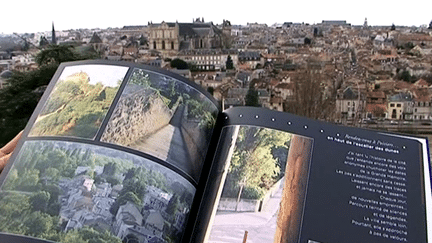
(9, 147)
(4, 160)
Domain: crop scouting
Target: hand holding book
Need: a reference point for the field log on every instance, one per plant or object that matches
(7, 150)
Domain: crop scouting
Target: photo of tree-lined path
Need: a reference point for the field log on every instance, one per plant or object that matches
(72, 192)
(79, 101)
(258, 179)
(163, 117)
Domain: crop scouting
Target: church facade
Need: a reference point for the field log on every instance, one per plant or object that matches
(170, 38)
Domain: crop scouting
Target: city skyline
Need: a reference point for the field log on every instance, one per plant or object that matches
(37, 16)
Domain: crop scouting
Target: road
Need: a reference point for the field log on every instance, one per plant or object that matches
(261, 226)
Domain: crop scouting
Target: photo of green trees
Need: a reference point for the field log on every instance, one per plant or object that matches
(72, 192)
(164, 117)
(264, 186)
(79, 101)
(258, 162)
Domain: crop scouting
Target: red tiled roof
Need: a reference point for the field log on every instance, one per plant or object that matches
(422, 83)
(372, 107)
(376, 94)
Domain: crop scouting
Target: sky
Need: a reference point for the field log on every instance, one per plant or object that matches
(29, 16)
(107, 75)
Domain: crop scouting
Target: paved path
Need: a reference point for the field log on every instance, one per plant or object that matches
(261, 226)
(168, 144)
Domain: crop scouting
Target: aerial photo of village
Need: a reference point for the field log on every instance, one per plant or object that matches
(66, 192)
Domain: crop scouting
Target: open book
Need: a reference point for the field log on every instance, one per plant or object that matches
(120, 152)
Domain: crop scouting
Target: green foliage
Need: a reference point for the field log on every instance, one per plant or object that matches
(140, 77)
(17, 216)
(20, 97)
(35, 212)
(210, 90)
(56, 54)
(89, 235)
(38, 223)
(229, 63)
(179, 64)
(253, 163)
(201, 110)
(39, 201)
(75, 108)
(173, 205)
(252, 98)
(406, 76)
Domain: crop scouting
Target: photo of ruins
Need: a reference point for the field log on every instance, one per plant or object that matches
(73, 192)
(165, 118)
(265, 187)
(79, 101)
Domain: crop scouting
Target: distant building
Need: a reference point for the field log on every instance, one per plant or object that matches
(335, 22)
(349, 104)
(169, 38)
(400, 106)
(213, 59)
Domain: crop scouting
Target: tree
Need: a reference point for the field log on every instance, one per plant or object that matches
(179, 64)
(406, 76)
(229, 63)
(309, 98)
(393, 27)
(252, 98)
(40, 223)
(254, 168)
(39, 201)
(210, 90)
(173, 205)
(130, 238)
(56, 54)
(20, 97)
(43, 41)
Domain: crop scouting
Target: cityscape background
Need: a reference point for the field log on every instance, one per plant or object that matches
(29, 16)
(366, 74)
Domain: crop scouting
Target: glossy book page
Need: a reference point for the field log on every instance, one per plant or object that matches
(278, 177)
(113, 153)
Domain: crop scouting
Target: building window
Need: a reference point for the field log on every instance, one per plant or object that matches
(392, 105)
(154, 45)
(172, 45)
(163, 45)
(398, 105)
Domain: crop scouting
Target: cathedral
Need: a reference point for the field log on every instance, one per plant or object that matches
(170, 38)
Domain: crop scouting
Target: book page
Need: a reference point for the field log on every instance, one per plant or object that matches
(284, 178)
(113, 153)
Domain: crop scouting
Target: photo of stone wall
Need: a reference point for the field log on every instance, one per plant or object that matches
(165, 118)
(79, 101)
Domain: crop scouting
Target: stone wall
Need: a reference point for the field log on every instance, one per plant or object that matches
(245, 205)
(249, 205)
(138, 114)
(195, 140)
